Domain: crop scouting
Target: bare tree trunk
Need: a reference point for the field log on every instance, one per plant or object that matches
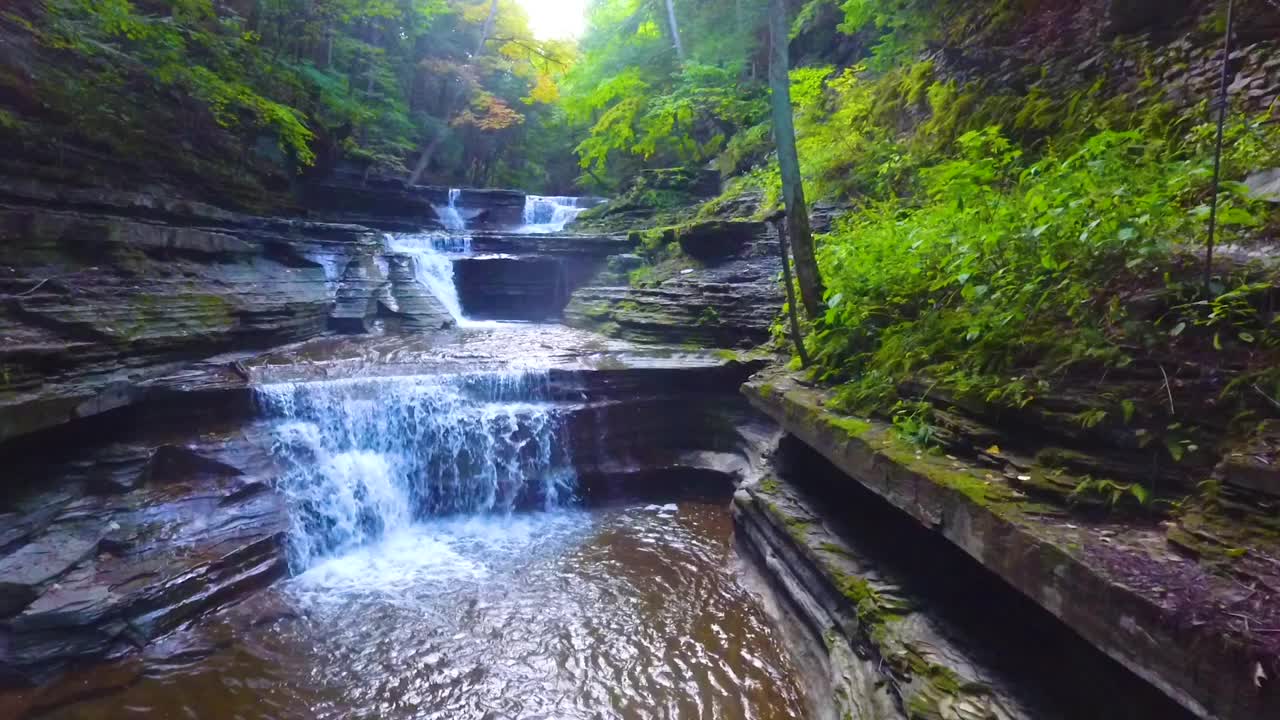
(424, 159)
(675, 30)
(428, 152)
(784, 133)
(487, 30)
(373, 59)
(797, 338)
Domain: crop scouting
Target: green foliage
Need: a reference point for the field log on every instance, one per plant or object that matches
(913, 421)
(1111, 494)
(637, 105)
(977, 275)
(372, 81)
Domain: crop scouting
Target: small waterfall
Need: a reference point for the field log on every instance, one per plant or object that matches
(450, 217)
(369, 456)
(549, 214)
(432, 265)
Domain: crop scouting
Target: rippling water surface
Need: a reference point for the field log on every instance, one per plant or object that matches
(627, 612)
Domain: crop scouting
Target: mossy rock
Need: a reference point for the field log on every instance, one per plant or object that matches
(715, 240)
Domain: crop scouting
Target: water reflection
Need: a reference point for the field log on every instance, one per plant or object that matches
(612, 613)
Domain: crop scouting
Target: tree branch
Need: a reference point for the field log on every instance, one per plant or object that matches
(533, 49)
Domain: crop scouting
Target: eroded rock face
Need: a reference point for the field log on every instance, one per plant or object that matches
(515, 276)
(729, 301)
(1168, 617)
(910, 628)
(512, 287)
(93, 572)
(392, 205)
(98, 303)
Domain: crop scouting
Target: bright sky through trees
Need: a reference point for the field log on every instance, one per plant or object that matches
(559, 19)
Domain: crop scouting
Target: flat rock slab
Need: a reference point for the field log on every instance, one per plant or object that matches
(490, 347)
(1120, 586)
(99, 574)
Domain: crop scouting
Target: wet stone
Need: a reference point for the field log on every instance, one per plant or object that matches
(26, 570)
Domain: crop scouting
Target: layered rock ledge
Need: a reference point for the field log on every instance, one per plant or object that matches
(723, 290)
(1121, 586)
(889, 621)
(120, 529)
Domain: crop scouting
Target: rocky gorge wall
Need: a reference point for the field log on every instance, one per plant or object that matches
(1167, 615)
(141, 325)
(142, 487)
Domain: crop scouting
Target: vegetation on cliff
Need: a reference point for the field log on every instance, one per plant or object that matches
(1026, 186)
(1023, 186)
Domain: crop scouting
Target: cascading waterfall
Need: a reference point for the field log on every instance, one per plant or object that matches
(370, 456)
(550, 214)
(432, 265)
(430, 251)
(450, 217)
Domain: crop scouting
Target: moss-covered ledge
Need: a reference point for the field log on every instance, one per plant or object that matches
(1120, 586)
(884, 660)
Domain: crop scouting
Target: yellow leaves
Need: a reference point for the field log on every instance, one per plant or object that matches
(476, 13)
(545, 91)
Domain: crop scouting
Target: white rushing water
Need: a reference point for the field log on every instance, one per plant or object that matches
(432, 253)
(368, 458)
(433, 266)
(451, 216)
(550, 214)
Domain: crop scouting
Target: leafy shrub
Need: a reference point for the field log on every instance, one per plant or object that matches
(999, 265)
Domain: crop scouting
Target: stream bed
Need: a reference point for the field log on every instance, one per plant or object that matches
(628, 611)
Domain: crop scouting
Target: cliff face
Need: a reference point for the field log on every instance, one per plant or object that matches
(105, 292)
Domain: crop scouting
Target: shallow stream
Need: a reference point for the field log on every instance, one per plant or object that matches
(630, 611)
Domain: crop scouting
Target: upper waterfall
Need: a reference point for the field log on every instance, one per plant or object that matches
(430, 252)
(368, 456)
(550, 214)
(450, 215)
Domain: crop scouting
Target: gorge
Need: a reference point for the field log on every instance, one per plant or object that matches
(385, 359)
(439, 516)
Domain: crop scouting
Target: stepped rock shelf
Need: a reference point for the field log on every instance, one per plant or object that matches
(209, 419)
(1118, 585)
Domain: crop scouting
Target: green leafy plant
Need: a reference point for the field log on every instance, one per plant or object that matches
(1112, 494)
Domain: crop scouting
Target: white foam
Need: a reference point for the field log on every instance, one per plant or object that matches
(549, 214)
(434, 556)
(370, 457)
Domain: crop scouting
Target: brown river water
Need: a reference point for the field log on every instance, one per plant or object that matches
(628, 612)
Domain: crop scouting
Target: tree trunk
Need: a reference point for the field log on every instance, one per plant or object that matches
(675, 30)
(797, 338)
(784, 134)
(487, 29)
(373, 59)
(424, 160)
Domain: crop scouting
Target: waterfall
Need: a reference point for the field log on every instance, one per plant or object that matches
(549, 214)
(432, 265)
(430, 252)
(449, 215)
(369, 456)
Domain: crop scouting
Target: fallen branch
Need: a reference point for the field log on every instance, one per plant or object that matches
(37, 287)
(1168, 390)
(1267, 397)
